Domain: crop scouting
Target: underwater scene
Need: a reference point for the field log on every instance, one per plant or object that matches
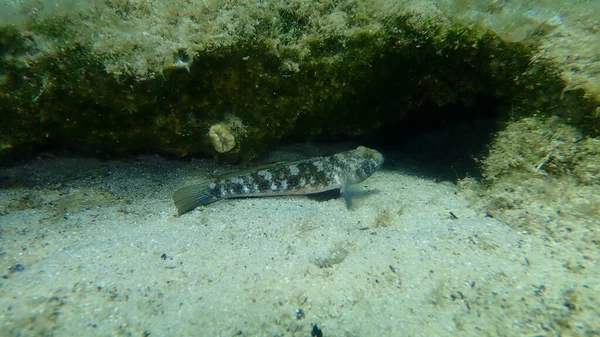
(299, 168)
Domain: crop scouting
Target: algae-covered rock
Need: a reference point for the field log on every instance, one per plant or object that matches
(121, 76)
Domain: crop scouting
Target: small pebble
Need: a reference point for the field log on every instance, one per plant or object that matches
(17, 267)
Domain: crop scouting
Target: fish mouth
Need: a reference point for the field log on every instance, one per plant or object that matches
(376, 156)
(380, 159)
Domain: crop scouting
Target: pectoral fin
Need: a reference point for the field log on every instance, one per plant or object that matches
(349, 192)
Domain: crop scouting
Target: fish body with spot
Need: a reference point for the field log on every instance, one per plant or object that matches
(305, 177)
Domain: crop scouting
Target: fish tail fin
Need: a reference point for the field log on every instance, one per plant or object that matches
(190, 197)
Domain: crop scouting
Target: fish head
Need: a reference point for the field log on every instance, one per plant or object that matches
(367, 162)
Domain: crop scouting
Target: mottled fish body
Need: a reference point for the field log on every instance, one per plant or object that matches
(310, 176)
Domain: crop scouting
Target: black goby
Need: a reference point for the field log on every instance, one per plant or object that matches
(310, 176)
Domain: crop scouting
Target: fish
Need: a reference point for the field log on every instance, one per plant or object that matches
(305, 177)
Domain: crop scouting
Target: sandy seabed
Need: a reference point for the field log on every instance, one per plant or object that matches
(91, 248)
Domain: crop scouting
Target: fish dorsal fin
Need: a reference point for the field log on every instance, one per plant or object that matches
(263, 167)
